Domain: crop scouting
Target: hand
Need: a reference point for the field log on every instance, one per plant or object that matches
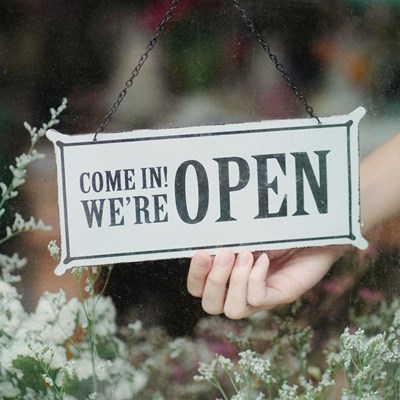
(242, 285)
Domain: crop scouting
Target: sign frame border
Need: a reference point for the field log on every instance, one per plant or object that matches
(349, 121)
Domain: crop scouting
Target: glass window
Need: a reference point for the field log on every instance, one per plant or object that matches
(134, 330)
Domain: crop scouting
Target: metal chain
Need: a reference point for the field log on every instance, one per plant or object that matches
(168, 15)
(250, 25)
(136, 70)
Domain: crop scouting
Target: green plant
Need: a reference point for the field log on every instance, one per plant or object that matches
(277, 362)
(66, 348)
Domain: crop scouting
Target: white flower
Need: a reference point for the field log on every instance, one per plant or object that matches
(102, 311)
(48, 380)
(20, 225)
(83, 368)
(177, 347)
(12, 313)
(8, 266)
(127, 381)
(226, 363)
(55, 357)
(66, 372)
(135, 327)
(207, 371)
(8, 390)
(250, 361)
(287, 392)
(124, 390)
(140, 380)
(17, 348)
(54, 250)
(54, 319)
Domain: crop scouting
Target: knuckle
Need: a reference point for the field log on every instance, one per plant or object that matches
(197, 274)
(216, 280)
(236, 279)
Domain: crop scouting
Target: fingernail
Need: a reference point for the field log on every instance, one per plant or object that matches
(224, 258)
(263, 258)
(243, 258)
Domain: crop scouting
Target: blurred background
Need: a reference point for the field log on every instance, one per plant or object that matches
(206, 68)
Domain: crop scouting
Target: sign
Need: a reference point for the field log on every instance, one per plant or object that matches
(157, 194)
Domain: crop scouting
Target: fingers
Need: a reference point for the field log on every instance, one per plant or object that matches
(237, 287)
(216, 284)
(248, 284)
(260, 295)
(198, 271)
(236, 305)
(222, 282)
(256, 284)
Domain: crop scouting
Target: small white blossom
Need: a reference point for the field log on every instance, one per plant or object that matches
(55, 319)
(135, 327)
(12, 314)
(89, 286)
(83, 368)
(48, 380)
(177, 347)
(249, 361)
(54, 250)
(124, 390)
(207, 371)
(20, 225)
(226, 363)
(287, 392)
(8, 390)
(9, 265)
(104, 314)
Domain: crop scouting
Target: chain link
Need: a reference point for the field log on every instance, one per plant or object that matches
(250, 25)
(168, 15)
(139, 65)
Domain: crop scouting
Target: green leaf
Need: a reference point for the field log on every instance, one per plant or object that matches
(32, 377)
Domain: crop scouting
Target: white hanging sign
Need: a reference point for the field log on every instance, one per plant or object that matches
(158, 194)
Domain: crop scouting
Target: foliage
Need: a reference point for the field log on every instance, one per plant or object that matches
(65, 349)
(277, 361)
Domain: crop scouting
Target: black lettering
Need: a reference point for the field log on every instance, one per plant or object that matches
(319, 191)
(144, 178)
(129, 183)
(155, 177)
(159, 208)
(180, 191)
(81, 183)
(141, 206)
(225, 187)
(97, 182)
(113, 183)
(165, 169)
(264, 185)
(116, 211)
(93, 211)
